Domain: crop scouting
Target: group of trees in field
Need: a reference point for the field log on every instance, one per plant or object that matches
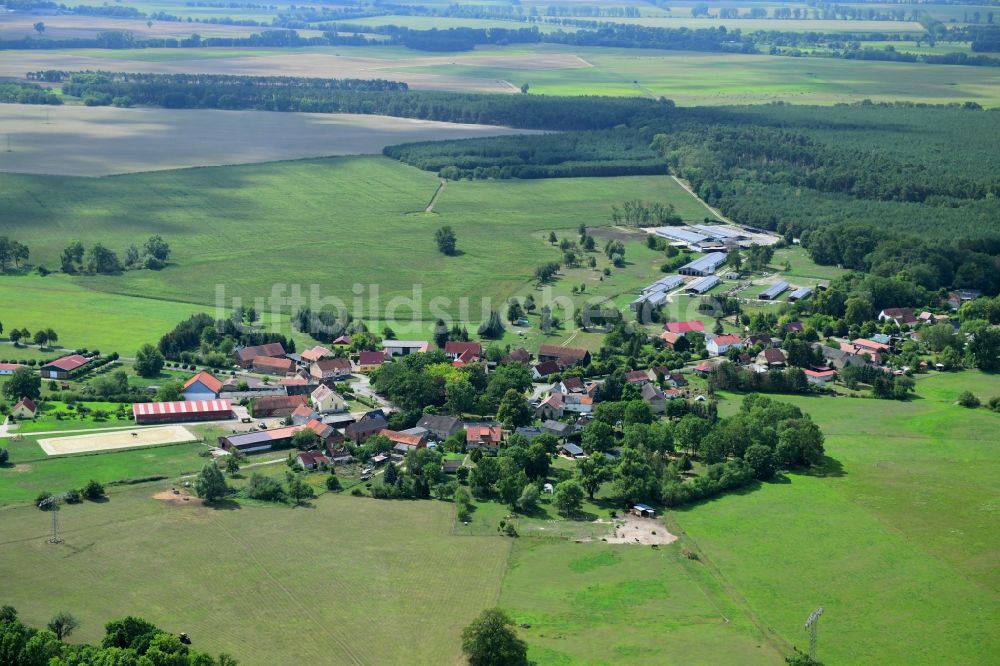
(100, 259)
(201, 338)
(637, 213)
(42, 336)
(18, 92)
(129, 641)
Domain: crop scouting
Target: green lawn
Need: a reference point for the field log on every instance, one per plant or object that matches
(346, 580)
(897, 542)
(330, 228)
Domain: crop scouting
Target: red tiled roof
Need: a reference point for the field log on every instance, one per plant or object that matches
(207, 379)
(461, 348)
(26, 402)
(476, 433)
(819, 374)
(11, 366)
(636, 376)
(68, 363)
(271, 363)
(371, 358)
(547, 368)
(315, 354)
(302, 410)
(684, 326)
(279, 401)
(270, 349)
(727, 340)
(572, 353)
(772, 355)
(402, 438)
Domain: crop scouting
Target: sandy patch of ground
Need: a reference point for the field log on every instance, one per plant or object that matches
(125, 439)
(100, 141)
(22, 467)
(640, 531)
(179, 498)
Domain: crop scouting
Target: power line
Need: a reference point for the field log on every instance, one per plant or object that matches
(52, 504)
(812, 625)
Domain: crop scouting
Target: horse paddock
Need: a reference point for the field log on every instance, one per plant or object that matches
(119, 439)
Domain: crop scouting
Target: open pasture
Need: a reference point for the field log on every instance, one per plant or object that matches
(244, 229)
(686, 77)
(118, 439)
(896, 538)
(99, 141)
(17, 26)
(344, 581)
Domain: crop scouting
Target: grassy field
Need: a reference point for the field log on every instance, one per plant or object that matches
(603, 604)
(366, 584)
(897, 541)
(557, 70)
(88, 141)
(315, 215)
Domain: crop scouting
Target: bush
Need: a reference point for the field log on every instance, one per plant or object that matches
(41, 497)
(93, 490)
(994, 404)
(333, 483)
(264, 488)
(4, 456)
(967, 399)
(357, 492)
(73, 496)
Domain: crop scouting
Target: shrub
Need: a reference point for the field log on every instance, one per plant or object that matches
(264, 488)
(994, 404)
(967, 399)
(4, 456)
(41, 497)
(93, 490)
(333, 483)
(73, 496)
(357, 492)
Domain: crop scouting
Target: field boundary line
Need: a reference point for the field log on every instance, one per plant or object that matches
(434, 198)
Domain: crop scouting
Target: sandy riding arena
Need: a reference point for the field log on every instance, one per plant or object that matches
(122, 439)
(642, 531)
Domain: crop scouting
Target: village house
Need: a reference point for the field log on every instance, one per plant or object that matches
(703, 368)
(25, 408)
(394, 348)
(959, 296)
(718, 345)
(463, 352)
(676, 380)
(451, 465)
(655, 398)
(683, 327)
(558, 429)
(675, 341)
(202, 386)
(404, 442)
(569, 385)
(62, 368)
(794, 327)
(637, 377)
(327, 401)
(551, 407)
(298, 384)
(269, 365)
(257, 442)
(361, 430)
(317, 353)
(487, 437)
(303, 414)
(563, 356)
(311, 460)
(342, 341)
(370, 361)
(898, 316)
(330, 370)
(580, 403)
(328, 436)
(545, 370)
(838, 358)
(9, 368)
(277, 405)
(772, 358)
(519, 355)
(246, 355)
(819, 377)
(440, 427)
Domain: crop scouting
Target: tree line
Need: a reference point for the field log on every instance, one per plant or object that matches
(101, 260)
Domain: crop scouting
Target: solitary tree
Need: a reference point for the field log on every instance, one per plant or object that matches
(232, 464)
(15, 336)
(39, 27)
(24, 383)
(63, 624)
(524, 88)
(210, 484)
(300, 491)
(446, 240)
(491, 641)
(568, 497)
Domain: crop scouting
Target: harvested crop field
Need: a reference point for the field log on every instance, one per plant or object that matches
(120, 439)
(100, 141)
(19, 26)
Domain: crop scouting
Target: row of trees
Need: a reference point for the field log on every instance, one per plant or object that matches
(42, 336)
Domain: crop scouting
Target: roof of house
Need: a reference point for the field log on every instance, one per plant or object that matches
(312, 458)
(342, 340)
(367, 425)
(704, 366)
(572, 449)
(438, 422)
(315, 354)
(294, 380)
(819, 374)
(274, 363)
(269, 402)
(573, 384)
(475, 433)
(554, 400)
(192, 407)
(573, 353)
(519, 355)
(684, 326)
(872, 345)
(794, 327)
(637, 376)
(323, 430)
(557, 426)
(263, 436)
(27, 403)
(322, 392)
(270, 349)
(303, 410)
(651, 392)
(11, 366)
(207, 379)
(402, 437)
(68, 363)
(332, 365)
(419, 345)
(371, 358)
(671, 338)
(772, 355)
(721, 340)
(459, 348)
(546, 368)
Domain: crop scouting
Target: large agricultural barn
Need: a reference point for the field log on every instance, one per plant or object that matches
(62, 367)
(704, 265)
(182, 411)
(264, 440)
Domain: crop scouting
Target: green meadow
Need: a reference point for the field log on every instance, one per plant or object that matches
(333, 223)
(344, 580)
